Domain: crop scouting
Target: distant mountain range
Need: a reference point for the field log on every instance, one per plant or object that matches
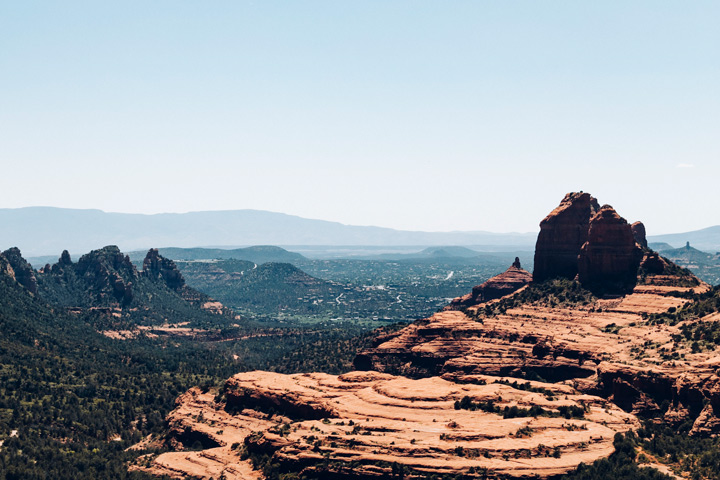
(47, 231)
(707, 239)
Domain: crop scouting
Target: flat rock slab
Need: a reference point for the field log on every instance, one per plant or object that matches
(368, 421)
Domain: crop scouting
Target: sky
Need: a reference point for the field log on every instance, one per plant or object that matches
(419, 115)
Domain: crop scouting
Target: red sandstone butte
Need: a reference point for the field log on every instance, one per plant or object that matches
(610, 258)
(562, 234)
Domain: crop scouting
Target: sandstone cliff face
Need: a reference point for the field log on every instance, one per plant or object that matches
(498, 286)
(597, 244)
(562, 234)
(605, 347)
(559, 331)
(610, 258)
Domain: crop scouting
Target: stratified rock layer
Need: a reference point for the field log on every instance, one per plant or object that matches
(603, 346)
(610, 258)
(367, 421)
(610, 358)
(562, 234)
(498, 286)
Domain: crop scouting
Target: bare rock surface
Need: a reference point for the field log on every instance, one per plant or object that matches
(606, 347)
(562, 234)
(498, 286)
(610, 258)
(374, 419)
(488, 386)
(638, 230)
(595, 243)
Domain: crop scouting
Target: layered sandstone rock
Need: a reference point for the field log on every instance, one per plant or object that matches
(374, 425)
(401, 413)
(498, 286)
(562, 234)
(603, 346)
(610, 258)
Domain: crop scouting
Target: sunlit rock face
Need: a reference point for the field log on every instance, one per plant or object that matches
(374, 425)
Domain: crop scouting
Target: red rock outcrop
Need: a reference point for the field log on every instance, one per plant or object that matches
(610, 258)
(374, 425)
(597, 244)
(638, 230)
(402, 411)
(498, 286)
(653, 263)
(562, 234)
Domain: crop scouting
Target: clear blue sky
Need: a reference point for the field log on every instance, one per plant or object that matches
(462, 115)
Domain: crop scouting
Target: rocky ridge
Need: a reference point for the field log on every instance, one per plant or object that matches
(498, 286)
(580, 238)
(106, 285)
(582, 332)
(22, 270)
(375, 425)
(107, 276)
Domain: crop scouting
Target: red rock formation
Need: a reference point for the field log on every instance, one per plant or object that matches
(562, 234)
(609, 260)
(373, 425)
(638, 230)
(498, 286)
(653, 263)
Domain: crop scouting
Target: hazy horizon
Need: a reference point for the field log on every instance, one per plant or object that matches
(490, 232)
(421, 116)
